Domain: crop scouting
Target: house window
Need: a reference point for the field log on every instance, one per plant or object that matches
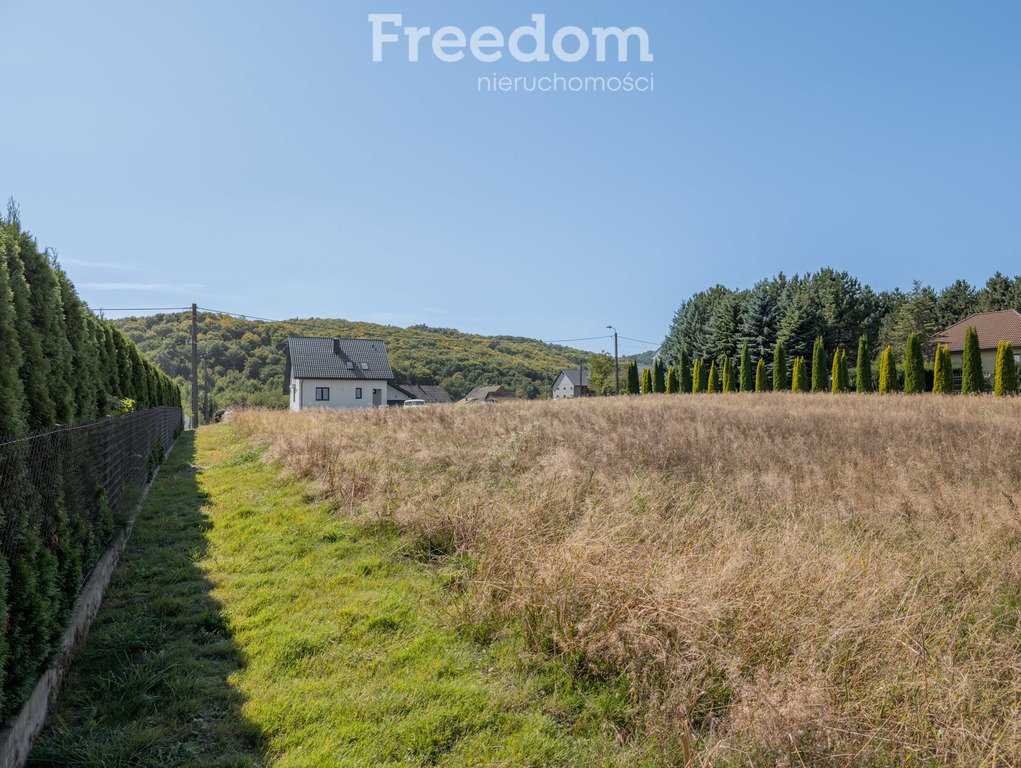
(358, 393)
(365, 366)
(322, 394)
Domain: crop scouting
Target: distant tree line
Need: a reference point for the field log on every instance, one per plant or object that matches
(59, 364)
(714, 324)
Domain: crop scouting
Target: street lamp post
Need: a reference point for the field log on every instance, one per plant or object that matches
(616, 358)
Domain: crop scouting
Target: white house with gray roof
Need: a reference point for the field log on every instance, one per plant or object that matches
(571, 382)
(339, 373)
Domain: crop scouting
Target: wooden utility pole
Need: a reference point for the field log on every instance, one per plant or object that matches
(195, 365)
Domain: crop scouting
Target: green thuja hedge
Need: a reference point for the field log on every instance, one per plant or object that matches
(60, 365)
(760, 376)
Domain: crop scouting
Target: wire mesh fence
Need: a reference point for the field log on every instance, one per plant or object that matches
(64, 493)
(110, 458)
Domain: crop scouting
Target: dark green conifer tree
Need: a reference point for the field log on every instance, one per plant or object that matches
(844, 380)
(47, 314)
(1005, 381)
(942, 373)
(84, 351)
(747, 377)
(684, 371)
(13, 407)
(35, 367)
(760, 376)
(972, 380)
(633, 383)
(819, 382)
(914, 367)
(780, 382)
(863, 369)
(659, 376)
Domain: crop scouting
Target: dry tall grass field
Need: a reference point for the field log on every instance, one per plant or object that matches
(784, 579)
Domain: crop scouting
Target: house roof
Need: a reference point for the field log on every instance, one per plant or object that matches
(992, 327)
(487, 394)
(572, 375)
(431, 393)
(318, 358)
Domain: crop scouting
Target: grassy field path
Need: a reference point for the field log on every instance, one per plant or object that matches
(249, 625)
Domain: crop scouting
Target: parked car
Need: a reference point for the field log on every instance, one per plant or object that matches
(415, 403)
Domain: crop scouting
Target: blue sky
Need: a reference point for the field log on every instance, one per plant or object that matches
(251, 157)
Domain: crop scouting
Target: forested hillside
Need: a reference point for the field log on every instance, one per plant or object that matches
(245, 358)
(796, 310)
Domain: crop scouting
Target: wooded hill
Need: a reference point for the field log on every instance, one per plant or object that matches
(245, 358)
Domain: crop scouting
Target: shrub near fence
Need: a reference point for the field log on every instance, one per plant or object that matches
(65, 493)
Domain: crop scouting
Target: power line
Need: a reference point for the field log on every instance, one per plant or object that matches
(565, 341)
(642, 341)
(238, 314)
(141, 309)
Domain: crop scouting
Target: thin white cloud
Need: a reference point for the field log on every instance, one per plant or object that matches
(142, 286)
(99, 264)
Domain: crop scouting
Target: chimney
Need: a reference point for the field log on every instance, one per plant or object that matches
(336, 347)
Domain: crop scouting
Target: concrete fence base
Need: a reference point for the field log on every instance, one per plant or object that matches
(16, 739)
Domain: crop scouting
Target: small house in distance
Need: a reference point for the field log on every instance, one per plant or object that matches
(338, 373)
(496, 394)
(433, 394)
(571, 382)
(992, 328)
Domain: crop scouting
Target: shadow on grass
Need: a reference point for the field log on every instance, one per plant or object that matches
(151, 686)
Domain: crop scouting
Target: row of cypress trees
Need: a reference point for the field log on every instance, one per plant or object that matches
(833, 376)
(59, 364)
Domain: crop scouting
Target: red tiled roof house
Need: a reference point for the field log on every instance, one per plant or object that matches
(992, 328)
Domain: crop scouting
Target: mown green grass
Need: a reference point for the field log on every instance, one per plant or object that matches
(249, 625)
